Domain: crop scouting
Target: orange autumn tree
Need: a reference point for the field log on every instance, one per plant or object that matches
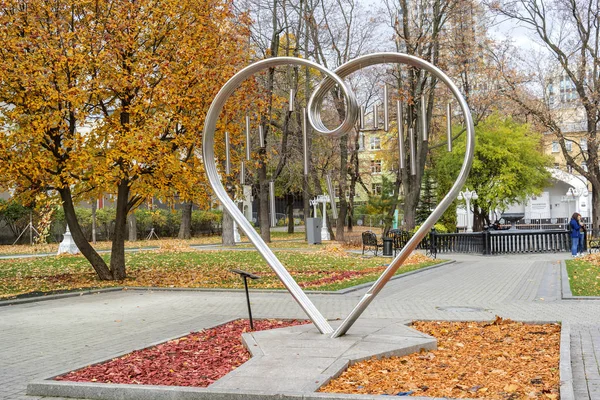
(109, 97)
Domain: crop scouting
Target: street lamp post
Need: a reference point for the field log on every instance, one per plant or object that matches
(467, 196)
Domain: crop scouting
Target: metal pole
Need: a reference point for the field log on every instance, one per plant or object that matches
(334, 213)
(401, 149)
(386, 124)
(227, 157)
(291, 101)
(243, 173)
(413, 152)
(424, 118)
(247, 137)
(375, 117)
(248, 301)
(362, 117)
(261, 136)
(272, 204)
(305, 140)
(449, 125)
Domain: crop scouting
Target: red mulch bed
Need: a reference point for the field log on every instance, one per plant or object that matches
(197, 359)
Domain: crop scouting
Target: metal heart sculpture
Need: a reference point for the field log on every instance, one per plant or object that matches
(314, 118)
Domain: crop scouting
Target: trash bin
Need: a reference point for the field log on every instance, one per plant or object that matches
(388, 247)
(313, 230)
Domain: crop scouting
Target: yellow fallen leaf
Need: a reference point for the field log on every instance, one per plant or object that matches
(510, 388)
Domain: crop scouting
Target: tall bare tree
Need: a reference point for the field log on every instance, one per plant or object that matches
(569, 30)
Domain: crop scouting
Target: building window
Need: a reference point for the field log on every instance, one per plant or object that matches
(555, 147)
(376, 189)
(569, 145)
(583, 144)
(375, 166)
(584, 166)
(569, 169)
(375, 142)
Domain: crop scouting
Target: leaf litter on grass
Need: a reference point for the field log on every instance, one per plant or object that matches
(198, 359)
(180, 267)
(499, 360)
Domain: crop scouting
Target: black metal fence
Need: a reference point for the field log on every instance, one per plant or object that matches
(498, 242)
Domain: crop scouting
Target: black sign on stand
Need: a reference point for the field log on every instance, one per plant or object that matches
(245, 275)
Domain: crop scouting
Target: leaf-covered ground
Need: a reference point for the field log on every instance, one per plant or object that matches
(499, 360)
(323, 268)
(276, 237)
(198, 359)
(584, 275)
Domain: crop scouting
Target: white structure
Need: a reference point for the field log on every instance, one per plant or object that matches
(236, 234)
(467, 196)
(555, 205)
(322, 198)
(67, 245)
(568, 195)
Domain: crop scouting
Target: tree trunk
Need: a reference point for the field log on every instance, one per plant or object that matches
(596, 209)
(411, 199)
(185, 229)
(228, 238)
(478, 219)
(290, 212)
(79, 238)
(263, 199)
(343, 211)
(132, 227)
(117, 254)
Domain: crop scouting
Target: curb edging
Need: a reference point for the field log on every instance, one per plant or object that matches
(566, 293)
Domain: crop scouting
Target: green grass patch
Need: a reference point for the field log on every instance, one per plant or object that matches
(584, 277)
(197, 269)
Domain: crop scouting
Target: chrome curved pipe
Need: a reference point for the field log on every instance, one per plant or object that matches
(316, 102)
(208, 153)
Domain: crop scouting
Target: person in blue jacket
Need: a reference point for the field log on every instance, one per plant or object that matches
(575, 229)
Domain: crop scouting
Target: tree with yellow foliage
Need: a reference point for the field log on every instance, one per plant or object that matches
(109, 96)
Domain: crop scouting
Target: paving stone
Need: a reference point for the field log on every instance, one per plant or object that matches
(42, 339)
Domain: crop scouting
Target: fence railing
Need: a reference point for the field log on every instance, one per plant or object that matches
(507, 242)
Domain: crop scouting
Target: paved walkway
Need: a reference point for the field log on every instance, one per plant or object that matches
(49, 337)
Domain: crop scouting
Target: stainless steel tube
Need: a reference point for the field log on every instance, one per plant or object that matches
(401, 148)
(386, 109)
(449, 125)
(248, 138)
(208, 153)
(383, 58)
(424, 119)
(227, 157)
(334, 213)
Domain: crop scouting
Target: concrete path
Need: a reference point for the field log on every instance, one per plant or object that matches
(45, 338)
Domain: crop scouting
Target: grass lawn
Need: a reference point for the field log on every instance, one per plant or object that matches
(328, 268)
(584, 275)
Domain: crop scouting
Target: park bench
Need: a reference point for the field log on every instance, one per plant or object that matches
(370, 243)
(594, 244)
